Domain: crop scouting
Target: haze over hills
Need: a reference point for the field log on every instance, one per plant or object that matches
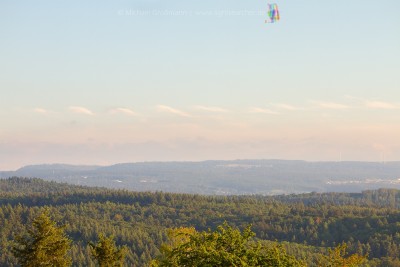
(266, 177)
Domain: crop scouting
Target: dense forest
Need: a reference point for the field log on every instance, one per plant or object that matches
(306, 225)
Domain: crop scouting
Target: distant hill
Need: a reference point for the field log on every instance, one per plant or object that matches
(266, 177)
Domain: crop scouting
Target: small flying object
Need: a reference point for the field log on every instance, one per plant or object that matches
(273, 13)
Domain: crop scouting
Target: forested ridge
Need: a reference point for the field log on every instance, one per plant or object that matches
(307, 225)
(224, 177)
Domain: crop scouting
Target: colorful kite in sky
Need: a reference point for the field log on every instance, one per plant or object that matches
(273, 13)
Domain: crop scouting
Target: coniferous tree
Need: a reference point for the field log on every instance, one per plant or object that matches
(45, 244)
(106, 253)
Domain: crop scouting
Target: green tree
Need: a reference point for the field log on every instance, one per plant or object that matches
(224, 247)
(106, 253)
(338, 257)
(44, 244)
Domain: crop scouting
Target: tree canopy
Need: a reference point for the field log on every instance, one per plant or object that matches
(44, 244)
(305, 225)
(225, 246)
(106, 253)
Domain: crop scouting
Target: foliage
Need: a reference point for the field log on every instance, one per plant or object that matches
(306, 225)
(338, 258)
(224, 247)
(44, 245)
(106, 253)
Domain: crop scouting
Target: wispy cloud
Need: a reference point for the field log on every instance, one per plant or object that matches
(285, 106)
(163, 108)
(262, 110)
(381, 105)
(211, 109)
(330, 105)
(125, 111)
(81, 110)
(41, 110)
(374, 104)
(353, 98)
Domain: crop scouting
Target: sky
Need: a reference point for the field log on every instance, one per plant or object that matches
(104, 82)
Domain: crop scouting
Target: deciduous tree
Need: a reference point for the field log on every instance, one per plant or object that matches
(224, 247)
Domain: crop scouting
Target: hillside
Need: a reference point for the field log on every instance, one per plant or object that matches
(368, 222)
(265, 177)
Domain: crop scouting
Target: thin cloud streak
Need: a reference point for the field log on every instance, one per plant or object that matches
(374, 104)
(41, 110)
(262, 110)
(163, 108)
(330, 105)
(286, 106)
(125, 111)
(381, 105)
(81, 110)
(211, 109)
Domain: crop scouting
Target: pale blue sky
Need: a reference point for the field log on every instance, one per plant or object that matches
(101, 82)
